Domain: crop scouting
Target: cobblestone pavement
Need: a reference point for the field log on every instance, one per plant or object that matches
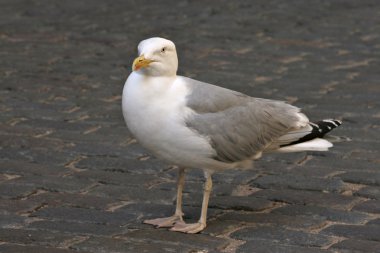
(72, 178)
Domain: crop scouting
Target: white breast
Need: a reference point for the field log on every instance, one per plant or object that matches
(154, 109)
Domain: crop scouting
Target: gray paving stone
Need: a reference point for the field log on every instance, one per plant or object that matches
(11, 220)
(299, 197)
(325, 212)
(60, 90)
(143, 211)
(369, 192)
(73, 136)
(294, 181)
(365, 232)
(16, 248)
(282, 236)
(111, 245)
(147, 210)
(270, 246)
(327, 166)
(77, 228)
(126, 162)
(321, 170)
(234, 177)
(374, 222)
(299, 221)
(370, 206)
(102, 150)
(230, 202)
(19, 168)
(135, 193)
(197, 187)
(355, 245)
(11, 191)
(41, 156)
(68, 184)
(362, 177)
(219, 226)
(12, 206)
(116, 178)
(197, 241)
(55, 199)
(240, 203)
(84, 215)
(42, 238)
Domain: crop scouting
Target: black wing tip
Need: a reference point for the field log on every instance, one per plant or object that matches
(335, 122)
(319, 129)
(325, 126)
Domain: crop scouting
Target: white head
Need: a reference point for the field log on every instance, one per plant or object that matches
(157, 57)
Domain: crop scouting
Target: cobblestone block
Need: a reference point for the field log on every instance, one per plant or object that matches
(370, 206)
(99, 151)
(73, 179)
(371, 192)
(240, 203)
(149, 210)
(330, 165)
(294, 181)
(67, 184)
(234, 177)
(374, 222)
(116, 178)
(129, 163)
(84, 215)
(197, 241)
(135, 193)
(77, 228)
(299, 222)
(39, 156)
(322, 171)
(56, 199)
(365, 232)
(18, 167)
(11, 220)
(11, 191)
(15, 248)
(219, 227)
(332, 200)
(197, 187)
(282, 236)
(230, 202)
(355, 245)
(268, 246)
(362, 177)
(111, 245)
(42, 238)
(12, 206)
(325, 212)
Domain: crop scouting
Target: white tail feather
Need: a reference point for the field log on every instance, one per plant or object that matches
(316, 144)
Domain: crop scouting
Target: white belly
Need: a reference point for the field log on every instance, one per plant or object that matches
(154, 110)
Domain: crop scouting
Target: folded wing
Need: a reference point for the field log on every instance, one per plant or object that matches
(239, 127)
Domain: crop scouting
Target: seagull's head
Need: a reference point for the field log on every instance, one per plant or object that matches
(157, 57)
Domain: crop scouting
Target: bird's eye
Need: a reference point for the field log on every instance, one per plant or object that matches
(163, 50)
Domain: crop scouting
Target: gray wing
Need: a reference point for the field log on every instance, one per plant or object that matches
(238, 126)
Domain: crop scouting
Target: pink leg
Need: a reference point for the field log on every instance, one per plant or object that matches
(193, 228)
(177, 217)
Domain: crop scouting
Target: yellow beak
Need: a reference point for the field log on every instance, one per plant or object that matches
(140, 62)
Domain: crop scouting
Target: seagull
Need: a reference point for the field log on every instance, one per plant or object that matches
(193, 124)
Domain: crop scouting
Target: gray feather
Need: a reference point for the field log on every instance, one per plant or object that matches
(238, 126)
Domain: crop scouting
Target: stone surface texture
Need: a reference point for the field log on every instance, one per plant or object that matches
(73, 179)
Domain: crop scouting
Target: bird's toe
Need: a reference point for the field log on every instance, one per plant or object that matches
(164, 222)
(191, 228)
